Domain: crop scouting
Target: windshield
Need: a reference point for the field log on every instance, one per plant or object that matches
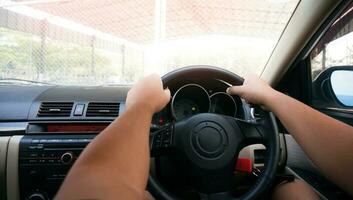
(102, 42)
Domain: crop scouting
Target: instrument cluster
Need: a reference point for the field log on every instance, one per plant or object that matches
(191, 99)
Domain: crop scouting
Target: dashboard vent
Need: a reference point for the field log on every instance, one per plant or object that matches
(103, 109)
(55, 109)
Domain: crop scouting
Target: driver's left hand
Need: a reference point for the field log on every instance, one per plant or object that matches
(148, 93)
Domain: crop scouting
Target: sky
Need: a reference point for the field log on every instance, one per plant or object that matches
(342, 82)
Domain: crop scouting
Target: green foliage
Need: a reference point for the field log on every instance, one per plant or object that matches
(21, 53)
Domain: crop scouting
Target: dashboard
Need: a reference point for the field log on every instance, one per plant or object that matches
(43, 129)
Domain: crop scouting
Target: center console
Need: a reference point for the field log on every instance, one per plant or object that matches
(44, 161)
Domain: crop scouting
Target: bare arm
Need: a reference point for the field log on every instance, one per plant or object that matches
(115, 165)
(327, 142)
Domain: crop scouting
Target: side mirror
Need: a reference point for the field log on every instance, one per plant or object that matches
(333, 88)
(342, 85)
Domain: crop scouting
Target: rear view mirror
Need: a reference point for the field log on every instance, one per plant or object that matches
(342, 86)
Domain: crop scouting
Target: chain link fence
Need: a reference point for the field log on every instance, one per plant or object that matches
(27, 56)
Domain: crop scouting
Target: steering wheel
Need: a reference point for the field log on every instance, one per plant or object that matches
(210, 143)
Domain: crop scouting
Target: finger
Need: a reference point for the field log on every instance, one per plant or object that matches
(167, 93)
(235, 90)
(156, 76)
(148, 196)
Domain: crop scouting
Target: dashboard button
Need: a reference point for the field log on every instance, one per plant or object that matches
(35, 141)
(54, 140)
(79, 109)
(43, 141)
(37, 196)
(35, 155)
(66, 158)
(32, 161)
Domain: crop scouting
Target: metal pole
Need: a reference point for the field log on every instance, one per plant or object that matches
(323, 61)
(123, 61)
(93, 61)
(43, 37)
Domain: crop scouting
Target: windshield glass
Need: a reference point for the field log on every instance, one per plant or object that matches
(95, 42)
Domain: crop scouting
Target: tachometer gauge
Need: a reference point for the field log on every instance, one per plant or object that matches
(191, 99)
(185, 108)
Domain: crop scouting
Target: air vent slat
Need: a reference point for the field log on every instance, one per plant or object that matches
(102, 109)
(55, 109)
(102, 112)
(57, 112)
(105, 107)
(53, 115)
(61, 105)
(56, 106)
(105, 104)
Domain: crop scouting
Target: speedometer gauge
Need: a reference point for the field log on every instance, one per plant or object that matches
(185, 108)
(224, 104)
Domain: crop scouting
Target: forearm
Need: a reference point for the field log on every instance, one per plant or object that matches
(116, 161)
(327, 142)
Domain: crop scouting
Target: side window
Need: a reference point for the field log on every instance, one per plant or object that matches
(336, 47)
(332, 63)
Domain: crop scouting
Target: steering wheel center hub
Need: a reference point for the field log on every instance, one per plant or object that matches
(209, 140)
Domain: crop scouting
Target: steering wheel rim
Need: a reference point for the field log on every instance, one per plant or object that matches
(270, 137)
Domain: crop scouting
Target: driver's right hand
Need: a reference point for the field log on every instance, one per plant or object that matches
(254, 90)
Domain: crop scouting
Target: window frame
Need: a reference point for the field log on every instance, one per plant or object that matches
(300, 70)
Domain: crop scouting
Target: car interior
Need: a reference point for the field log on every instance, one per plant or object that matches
(66, 67)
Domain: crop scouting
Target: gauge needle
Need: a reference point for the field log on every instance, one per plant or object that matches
(228, 84)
